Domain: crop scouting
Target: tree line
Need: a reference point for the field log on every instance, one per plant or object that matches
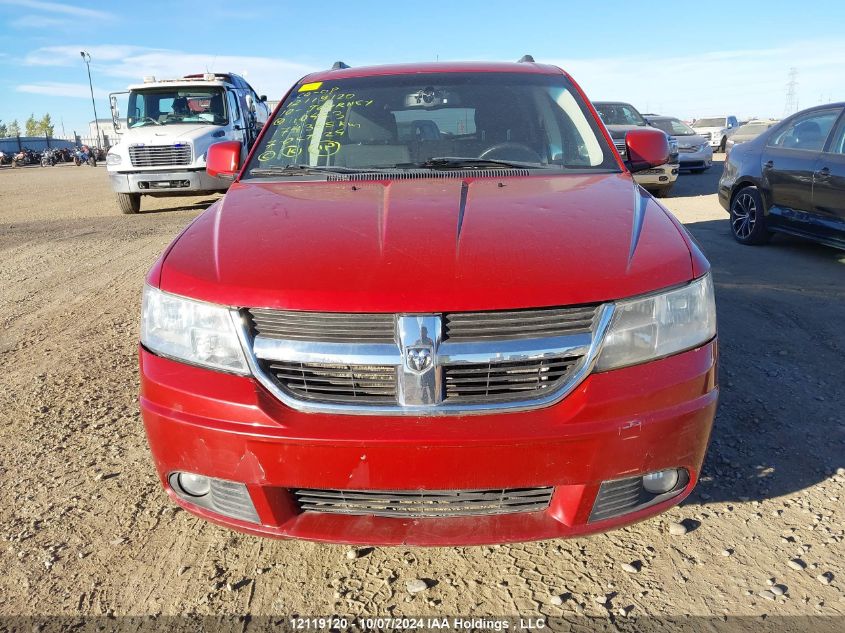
(33, 127)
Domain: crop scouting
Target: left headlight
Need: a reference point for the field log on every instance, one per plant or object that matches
(192, 331)
(113, 159)
(660, 325)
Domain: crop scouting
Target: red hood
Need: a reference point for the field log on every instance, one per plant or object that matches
(412, 246)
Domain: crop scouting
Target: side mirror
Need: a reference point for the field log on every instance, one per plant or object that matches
(263, 98)
(647, 148)
(224, 160)
(115, 113)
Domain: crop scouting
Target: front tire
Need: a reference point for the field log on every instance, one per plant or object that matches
(748, 218)
(129, 203)
(662, 192)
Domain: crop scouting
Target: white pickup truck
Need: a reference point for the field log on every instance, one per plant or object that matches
(170, 124)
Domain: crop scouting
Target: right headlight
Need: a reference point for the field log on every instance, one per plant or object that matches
(660, 325)
(192, 331)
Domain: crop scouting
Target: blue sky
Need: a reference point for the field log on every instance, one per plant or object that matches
(687, 61)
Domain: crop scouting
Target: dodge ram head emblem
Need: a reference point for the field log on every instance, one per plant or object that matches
(418, 359)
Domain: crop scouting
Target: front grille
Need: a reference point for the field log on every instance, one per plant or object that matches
(323, 326)
(687, 150)
(361, 384)
(650, 172)
(423, 503)
(160, 155)
(621, 147)
(507, 359)
(501, 382)
(518, 324)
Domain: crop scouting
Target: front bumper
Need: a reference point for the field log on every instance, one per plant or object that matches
(166, 182)
(696, 160)
(614, 425)
(662, 176)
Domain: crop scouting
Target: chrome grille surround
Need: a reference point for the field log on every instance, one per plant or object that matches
(178, 154)
(423, 503)
(521, 372)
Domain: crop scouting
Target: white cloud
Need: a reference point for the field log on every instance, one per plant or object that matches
(129, 64)
(39, 22)
(57, 8)
(69, 55)
(59, 89)
(741, 82)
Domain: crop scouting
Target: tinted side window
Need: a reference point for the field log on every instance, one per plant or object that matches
(806, 132)
(837, 144)
(233, 105)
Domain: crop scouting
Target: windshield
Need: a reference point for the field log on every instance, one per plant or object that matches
(420, 121)
(176, 105)
(674, 127)
(753, 128)
(619, 114)
(718, 122)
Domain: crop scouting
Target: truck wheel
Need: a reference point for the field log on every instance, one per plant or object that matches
(129, 202)
(748, 218)
(662, 192)
(723, 143)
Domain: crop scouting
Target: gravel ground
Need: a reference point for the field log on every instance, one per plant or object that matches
(86, 529)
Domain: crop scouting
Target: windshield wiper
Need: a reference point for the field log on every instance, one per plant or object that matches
(459, 162)
(302, 170)
(149, 118)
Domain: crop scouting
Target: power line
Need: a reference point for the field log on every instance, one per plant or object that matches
(791, 92)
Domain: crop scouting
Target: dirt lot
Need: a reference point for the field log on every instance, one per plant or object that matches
(86, 529)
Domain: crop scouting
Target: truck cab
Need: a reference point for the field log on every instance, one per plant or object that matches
(169, 126)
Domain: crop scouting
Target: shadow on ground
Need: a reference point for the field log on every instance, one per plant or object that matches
(703, 184)
(174, 204)
(781, 308)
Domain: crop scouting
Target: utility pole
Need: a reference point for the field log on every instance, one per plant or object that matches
(791, 92)
(86, 57)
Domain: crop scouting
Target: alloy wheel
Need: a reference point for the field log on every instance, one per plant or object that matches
(744, 216)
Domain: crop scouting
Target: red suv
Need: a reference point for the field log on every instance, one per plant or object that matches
(433, 308)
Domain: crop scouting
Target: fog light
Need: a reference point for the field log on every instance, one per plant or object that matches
(193, 485)
(229, 498)
(661, 482)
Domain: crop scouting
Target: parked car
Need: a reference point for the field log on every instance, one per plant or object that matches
(694, 151)
(620, 118)
(716, 128)
(747, 132)
(481, 332)
(789, 179)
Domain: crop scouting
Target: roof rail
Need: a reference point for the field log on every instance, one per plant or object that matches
(339, 65)
(526, 59)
